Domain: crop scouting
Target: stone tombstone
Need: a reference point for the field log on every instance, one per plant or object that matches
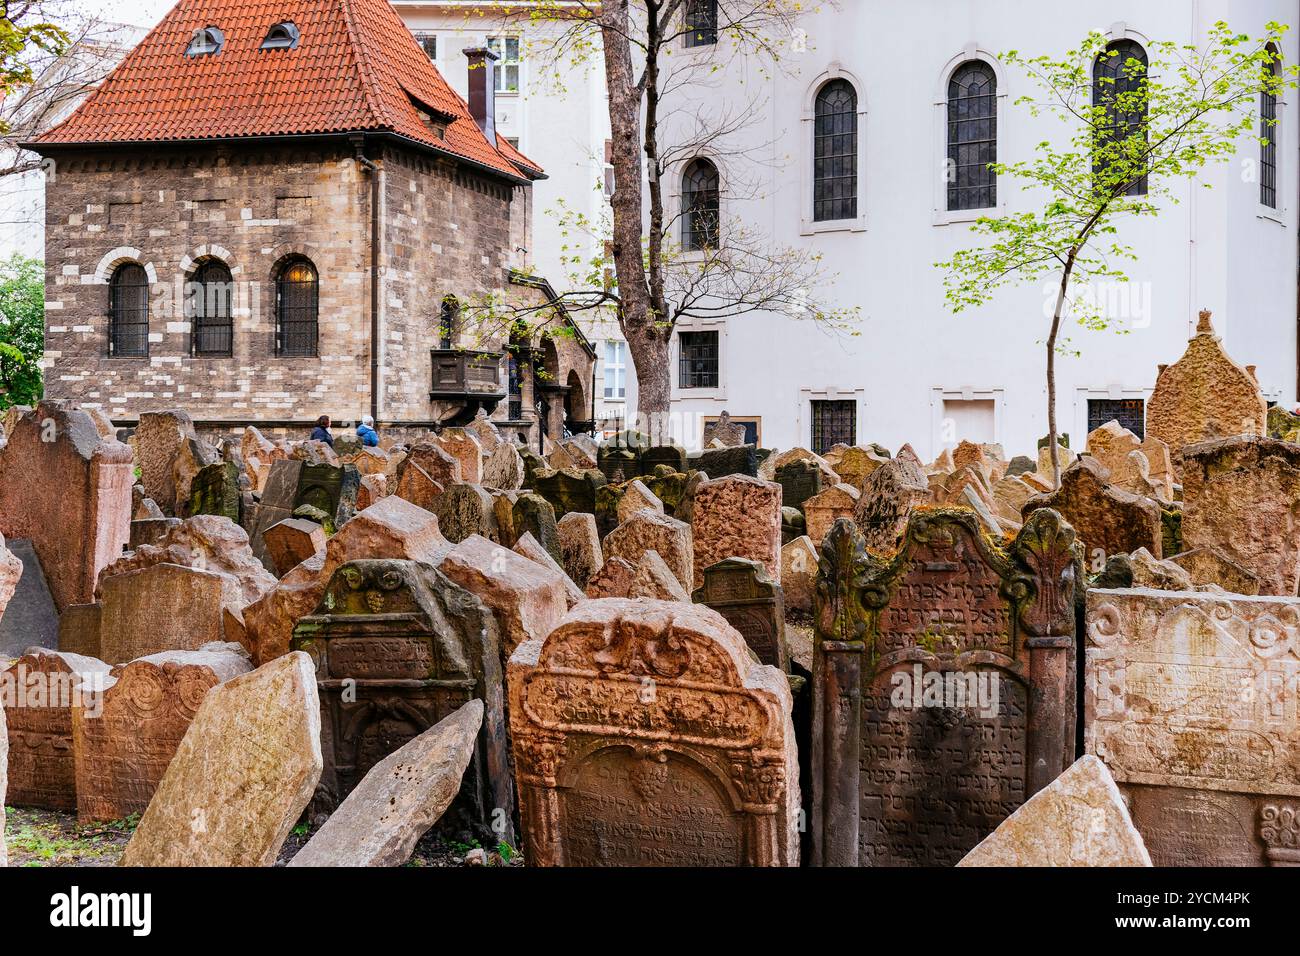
(1211, 566)
(741, 591)
(533, 514)
(464, 510)
(79, 629)
(943, 685)
(737, 517)
(645, 734)
(1242, 496)
(465, 447)
(291, 542)
(122, 752)
(504, 469)
(674, 456)
(242, 776)
(41, 769)
(397, 647)
(721, 462)
(1205, 395)
(823, 509)
(4, 785)
(1107, 519)
(619, 464)
(1190, 701)
(331, 488)
(55, 463)
(215, 491)
(163, 607)
(799, 481)
(724, 431)
(149, 531)
(570, 490)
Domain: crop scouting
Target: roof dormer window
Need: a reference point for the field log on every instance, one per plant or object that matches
(282, 36)
(206, 41)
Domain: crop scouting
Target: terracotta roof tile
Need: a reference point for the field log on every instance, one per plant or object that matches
(356, 68)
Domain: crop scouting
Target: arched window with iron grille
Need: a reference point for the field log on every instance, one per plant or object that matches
(1268, 134)
(835, 152)
(1119, 77)
(297, 303)
(209, 304)
(972, 136)
(128, 311)
(700, 205)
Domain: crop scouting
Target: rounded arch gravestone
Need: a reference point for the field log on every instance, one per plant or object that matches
(645, 734)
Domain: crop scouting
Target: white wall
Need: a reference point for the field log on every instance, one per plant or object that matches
(1215, 249)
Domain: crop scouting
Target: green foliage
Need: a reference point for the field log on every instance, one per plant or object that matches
(17, 41)
(1200, 106)
(22, 330)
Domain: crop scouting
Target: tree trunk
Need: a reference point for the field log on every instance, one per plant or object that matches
(647, 341)
(1051, 368)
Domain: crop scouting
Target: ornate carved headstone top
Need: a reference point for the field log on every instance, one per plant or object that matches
(724, 430)
(943, 685)
(645, 733)
(1190, 702)
(741, 591)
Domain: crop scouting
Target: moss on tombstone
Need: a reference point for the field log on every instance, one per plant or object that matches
(1171, 531)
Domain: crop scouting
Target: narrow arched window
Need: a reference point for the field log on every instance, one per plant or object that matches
(297, 301)
(1119, 84)
(700, 205)
(835, 152)
(972, 136)
(447, 319)
(209, 301)
(1268, 133)
(128, 311)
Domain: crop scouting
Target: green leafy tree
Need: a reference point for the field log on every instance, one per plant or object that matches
(1136, 132)
(22, 330)
(24, 30)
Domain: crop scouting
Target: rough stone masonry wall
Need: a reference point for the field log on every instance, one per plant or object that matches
(167, 208)
(447, 232)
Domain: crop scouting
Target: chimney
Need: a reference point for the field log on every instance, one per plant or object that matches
(482, 90)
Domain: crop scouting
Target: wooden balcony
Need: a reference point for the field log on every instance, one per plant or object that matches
(462, 375)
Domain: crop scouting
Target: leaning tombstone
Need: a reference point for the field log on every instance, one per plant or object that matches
(799, 480)
(943, 686)
(163, 607)
(741, 591)
(1189, 701)
(215, 491)
(397, 648)
(645, 734)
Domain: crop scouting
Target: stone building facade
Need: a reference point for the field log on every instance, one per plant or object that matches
(395, 220)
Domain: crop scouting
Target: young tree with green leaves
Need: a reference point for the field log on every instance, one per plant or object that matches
(22, 330)
(1138, 129)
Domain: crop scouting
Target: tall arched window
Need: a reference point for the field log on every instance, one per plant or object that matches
(128, 311)
(972, 136)
(1268, 135)
(700, 205)
(1118, 83)
(297, 303)
(447, 317)
(835, 152)
(209, 302)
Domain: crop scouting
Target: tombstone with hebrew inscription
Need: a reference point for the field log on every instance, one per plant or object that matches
(943, 686)
(1190, 701)
(741, 591)
(645, 734)
(397, 648)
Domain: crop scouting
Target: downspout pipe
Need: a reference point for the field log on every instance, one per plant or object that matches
(376, 173)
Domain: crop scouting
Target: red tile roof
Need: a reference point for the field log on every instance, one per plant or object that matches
(356, 68)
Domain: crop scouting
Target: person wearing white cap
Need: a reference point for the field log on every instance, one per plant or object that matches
(366, 432)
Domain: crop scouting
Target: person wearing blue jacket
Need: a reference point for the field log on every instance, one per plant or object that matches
(322, 431)
(366, 432)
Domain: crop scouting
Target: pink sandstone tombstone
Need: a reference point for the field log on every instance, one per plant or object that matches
(821, 510)
(645, 734)
(1242, 496)
(417, 486)
(1205, 395)
(654, 579)
(164, 607)
(1106, 519)
(580, 550)
(122, 753)
(528, 547)
(242, 776)
(1209, 565)
(56, 463)
(169, 454)
(527, 598)
(614, 579)
(41, 770)
(650, 531)
(465, 447)
(887, 499)
(737, 516)
(799, 572)
(292, 541)
(11, 569)
(1190, 702)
